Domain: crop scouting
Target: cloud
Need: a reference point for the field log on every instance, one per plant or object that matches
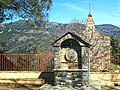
(71, 6)
(55, 15)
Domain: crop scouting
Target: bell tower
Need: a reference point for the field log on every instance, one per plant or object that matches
(90, 25)
(90, 29)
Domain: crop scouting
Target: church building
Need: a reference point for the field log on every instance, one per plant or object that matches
(100, 49)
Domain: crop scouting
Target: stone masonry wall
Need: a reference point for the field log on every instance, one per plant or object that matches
(99, 51)
(73, 78)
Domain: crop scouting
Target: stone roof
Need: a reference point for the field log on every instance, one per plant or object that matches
(70, 35)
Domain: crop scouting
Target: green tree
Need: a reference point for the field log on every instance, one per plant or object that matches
(115, 43)
(34, 10)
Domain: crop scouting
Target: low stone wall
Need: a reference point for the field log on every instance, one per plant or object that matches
(19, 74)
(22, 81)
(26, 77)
(21, 77)
(107, 79)
(105, 76)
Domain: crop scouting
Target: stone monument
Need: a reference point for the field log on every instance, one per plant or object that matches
(70, 68)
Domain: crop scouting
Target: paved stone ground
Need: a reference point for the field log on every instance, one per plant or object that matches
(49, 87)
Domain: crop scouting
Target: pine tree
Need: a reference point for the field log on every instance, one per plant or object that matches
(35, 10)
(115, 43)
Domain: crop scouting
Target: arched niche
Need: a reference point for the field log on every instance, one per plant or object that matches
(74, 44)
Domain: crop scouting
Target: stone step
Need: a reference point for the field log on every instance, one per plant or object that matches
(23, 81)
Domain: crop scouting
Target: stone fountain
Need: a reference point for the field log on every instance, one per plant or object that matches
(70, 67)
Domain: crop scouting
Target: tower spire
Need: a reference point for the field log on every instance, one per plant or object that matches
(89, 15)
(90, 22)
(89, 7)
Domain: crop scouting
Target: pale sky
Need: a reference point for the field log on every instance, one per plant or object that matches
(103, 11)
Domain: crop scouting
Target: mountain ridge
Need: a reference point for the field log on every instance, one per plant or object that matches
(21, 37)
